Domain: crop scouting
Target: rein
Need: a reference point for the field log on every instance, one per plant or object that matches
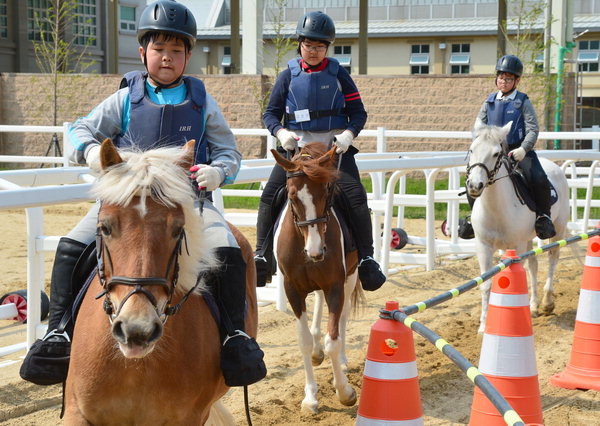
(140, 284)
(492, 174)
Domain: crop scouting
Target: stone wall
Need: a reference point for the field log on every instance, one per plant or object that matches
(444, 103)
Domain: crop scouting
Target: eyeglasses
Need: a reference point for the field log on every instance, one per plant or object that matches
(319, 48)
(506, 80)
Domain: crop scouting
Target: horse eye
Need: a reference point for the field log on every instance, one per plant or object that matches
(177, 231)
(104, 229)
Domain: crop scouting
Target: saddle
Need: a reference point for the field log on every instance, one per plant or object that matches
(524, 188)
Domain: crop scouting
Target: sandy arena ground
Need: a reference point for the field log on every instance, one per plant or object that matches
(446, 393)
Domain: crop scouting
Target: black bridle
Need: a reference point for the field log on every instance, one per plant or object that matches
(140, 284)
(491, 174)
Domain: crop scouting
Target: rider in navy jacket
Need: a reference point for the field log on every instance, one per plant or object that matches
(505, 106)
(318, 102)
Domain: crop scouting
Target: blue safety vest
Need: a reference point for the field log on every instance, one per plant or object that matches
(318, 95)
(153, 126)
(501, 112)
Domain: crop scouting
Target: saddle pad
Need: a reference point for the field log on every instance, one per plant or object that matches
(523, 190)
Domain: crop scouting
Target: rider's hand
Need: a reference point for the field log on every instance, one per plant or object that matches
(92, 158)
(289, 140)
(207, 176)
(343, 141)
(518, 154)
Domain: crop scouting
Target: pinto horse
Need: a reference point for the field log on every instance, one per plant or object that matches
(129, 365)
(500, 221)
(309, 248)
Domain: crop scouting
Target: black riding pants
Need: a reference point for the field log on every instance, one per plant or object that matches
(537, 180)
(357, 214)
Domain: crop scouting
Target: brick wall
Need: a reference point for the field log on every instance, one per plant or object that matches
(395, 102)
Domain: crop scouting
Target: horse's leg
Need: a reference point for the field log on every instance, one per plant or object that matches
(532, 270)
(485, 255)
(548, 297)
(351, 282)
(334, 347)
(315, 330)
(305, 340)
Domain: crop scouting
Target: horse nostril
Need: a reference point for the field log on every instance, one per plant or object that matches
(480, 185)
(156, 332)
(117, 331)
(324, 249)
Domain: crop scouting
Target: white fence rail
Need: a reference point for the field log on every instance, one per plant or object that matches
(34, 188)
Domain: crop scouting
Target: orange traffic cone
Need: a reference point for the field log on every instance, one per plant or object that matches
(507, 352)
(390, 390)
(583, 370)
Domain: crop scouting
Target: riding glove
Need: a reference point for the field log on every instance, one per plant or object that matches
(93, 158)
(289, 140)
(518, 154)
(343, 141)
(207, 176)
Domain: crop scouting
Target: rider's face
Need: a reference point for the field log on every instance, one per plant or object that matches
(313, 52)
(166, 59)
(506, 82)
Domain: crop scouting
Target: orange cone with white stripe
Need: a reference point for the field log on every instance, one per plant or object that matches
(507, 352)
(583, 369)
(390, 391)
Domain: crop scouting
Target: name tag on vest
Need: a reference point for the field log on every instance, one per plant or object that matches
(302, 115)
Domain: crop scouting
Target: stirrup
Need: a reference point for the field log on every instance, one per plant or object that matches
(365, 259)
(56, 333)
(235, 334)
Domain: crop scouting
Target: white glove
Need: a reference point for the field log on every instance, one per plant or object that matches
(207, 176)
(289, 140)
(518, 154)
(343, 141)
(93, 158)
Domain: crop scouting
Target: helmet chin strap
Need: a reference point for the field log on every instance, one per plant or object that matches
(160, 86)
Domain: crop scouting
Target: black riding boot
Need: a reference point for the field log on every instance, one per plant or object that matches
(47, 361)
(241, 358)
(465, 228)
(369, 271)
(544, 228)
(263, 257)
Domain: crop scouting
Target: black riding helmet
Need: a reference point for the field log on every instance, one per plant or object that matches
(316, 26)
(169, 17)
(510, 64)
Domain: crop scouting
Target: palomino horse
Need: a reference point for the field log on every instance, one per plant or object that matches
(133, 366)
(309, 248)
(500, 221)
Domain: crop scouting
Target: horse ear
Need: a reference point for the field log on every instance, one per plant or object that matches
(187, 158)
(283, 162)
(506, 128)
(109, 156)
(328, 156)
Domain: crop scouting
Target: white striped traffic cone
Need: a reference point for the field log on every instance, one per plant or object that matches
(507, 352)
(390, 392)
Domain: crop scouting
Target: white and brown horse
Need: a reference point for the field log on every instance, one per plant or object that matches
(129, 365)
(309, 248)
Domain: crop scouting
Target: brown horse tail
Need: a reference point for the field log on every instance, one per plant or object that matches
(359, 301)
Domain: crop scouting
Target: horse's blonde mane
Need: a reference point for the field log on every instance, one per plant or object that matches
(491, 135)
(158, 174)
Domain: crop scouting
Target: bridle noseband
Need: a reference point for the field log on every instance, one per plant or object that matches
(491, 174)
(140, 284)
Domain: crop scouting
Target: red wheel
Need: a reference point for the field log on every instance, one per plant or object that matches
(445, 229)
(399, 238)
(19, 298)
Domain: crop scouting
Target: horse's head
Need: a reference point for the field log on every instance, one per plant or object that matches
(144, 226)
(485, 156)
(310, 178)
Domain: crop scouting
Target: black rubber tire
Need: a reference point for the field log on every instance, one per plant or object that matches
(19, 297)
(399, 238)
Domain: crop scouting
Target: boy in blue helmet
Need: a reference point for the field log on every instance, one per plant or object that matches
(318, 102)
(161, 107)
(501, 107)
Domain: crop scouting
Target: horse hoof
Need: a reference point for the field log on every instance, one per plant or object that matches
(548, 310)
(350, 400)
(311, 407)
(318, 358)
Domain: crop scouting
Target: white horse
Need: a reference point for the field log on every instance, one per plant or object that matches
(499, 219)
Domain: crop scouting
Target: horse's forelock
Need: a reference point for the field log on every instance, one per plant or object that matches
(491, 135)
(307, 161)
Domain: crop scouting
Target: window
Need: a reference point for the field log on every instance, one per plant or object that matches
(419, 59)
(84, 23)
(37, 12)
(539, 63)
(588, 55)
(127, 18)
(3, 19)
(460, 58)
(344, 56)
(226, 62)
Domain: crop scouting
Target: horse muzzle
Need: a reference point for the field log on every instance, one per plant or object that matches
(474, 188)
(136, 337)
